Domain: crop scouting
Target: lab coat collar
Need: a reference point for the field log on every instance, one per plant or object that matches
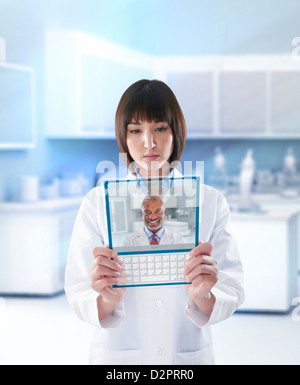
(141, 239)
(166, 183)
(177, 174)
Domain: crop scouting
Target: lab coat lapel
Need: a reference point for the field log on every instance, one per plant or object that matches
(141, 238)
(166, 239)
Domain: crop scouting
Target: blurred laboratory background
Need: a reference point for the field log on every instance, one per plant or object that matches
(235, 69)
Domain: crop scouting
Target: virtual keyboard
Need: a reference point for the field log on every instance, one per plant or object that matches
(153, 268)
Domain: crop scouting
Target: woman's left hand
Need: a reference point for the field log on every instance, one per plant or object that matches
(202, 271)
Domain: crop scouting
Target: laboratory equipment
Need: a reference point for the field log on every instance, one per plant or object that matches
(219, 174)
(290, 173)
(246, 181)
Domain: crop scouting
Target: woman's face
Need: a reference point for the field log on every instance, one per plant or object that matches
(150, 146)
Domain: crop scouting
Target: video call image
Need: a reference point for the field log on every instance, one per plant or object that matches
(161, 213)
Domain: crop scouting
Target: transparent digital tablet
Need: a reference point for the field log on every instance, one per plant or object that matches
(153, 224)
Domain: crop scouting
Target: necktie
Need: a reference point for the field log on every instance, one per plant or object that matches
(154, 240)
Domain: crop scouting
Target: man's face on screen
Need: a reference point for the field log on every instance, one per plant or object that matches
(153, 214)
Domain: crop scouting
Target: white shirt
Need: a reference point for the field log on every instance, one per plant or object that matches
(158, 234)
(153, 325)
(140, 238)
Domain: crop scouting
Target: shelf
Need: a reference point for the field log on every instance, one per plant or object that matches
(244, 137)
(82, 137)
(189, 137)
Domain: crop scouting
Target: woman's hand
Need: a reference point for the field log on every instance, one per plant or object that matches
(106, 271)
(202, 270)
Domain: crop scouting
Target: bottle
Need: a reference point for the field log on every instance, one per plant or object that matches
(289, 172)
(219, 171)
(246, 181)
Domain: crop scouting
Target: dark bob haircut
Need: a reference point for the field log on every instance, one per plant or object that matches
(150, 100)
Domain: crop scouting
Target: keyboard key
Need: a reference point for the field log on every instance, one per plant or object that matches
(155, 278)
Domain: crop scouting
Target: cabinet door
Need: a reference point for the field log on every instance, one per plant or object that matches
(103, 82)
(194, 92)
(84, 86)
(285, 102)
(17, 107)
(265, 264)
(242, 102)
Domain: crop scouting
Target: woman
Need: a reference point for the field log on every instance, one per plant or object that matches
(156, 325)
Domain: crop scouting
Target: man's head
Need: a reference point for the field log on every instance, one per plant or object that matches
(153, 211)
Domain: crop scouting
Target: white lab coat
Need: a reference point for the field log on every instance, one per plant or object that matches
(139, 238)
(153, 325)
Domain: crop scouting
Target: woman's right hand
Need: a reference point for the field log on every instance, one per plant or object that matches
(107, 270)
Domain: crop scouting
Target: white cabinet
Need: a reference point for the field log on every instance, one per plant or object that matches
(242, 102)
(102, 84)
(195, 94)
(236, 96)
(268, 246)
(34, 246)
(17, 107)
(221, 96)
(85, 79)
(285, 101)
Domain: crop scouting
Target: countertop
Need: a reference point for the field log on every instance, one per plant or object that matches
(275, 199)
(279, 213)
(51, 205)
(269, 206)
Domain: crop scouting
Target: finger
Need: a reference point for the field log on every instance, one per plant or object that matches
(123, 280)
(115, 256)
(102, 283)
(204, 248)
(191, 263)
(202, 270)
(105, 252)
(107, 262)
(197, 270)
(103, 271)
